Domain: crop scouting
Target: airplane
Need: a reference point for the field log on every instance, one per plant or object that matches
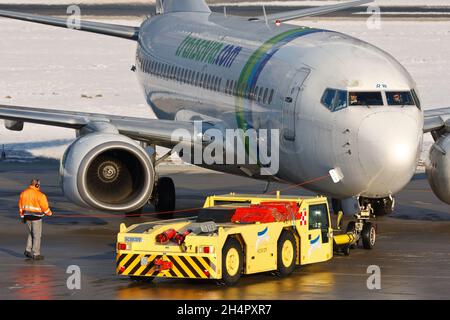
(343, 107)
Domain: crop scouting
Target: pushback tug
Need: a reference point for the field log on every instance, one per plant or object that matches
(237, 234)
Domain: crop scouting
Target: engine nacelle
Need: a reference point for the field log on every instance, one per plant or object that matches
(438, 168)
(107, 171)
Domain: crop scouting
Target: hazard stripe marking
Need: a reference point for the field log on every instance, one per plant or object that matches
(185, 267)
(130, 263)
(191, 268)
(201, 265)
(119, 258)
(179, 267)
(126, 258)
(150, 266)
(172, 273)
(196, 267)
(210, 263)
(136, 267)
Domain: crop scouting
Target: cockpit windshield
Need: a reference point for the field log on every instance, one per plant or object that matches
(399, 98)
(365, 99)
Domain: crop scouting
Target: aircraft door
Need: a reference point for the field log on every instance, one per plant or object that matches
(291, 100)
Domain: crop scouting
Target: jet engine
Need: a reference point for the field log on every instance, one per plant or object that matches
(107, 171)
(438, 168)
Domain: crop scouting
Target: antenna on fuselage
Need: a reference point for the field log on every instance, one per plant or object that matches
(224, 11)
(159, 7)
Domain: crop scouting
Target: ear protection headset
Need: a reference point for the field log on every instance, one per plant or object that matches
(38, 184)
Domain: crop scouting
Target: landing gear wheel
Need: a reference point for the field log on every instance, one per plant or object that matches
(368, 235)
(286, 253)
(164, 198)
(232, 262)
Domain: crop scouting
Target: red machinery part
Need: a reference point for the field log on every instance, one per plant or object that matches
(160, 265)
(267, 212)
(166, 236)
(180, 237)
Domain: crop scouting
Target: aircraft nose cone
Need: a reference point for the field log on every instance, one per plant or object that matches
(388, 148)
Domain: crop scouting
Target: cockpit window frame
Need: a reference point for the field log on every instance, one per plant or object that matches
(333, 105)
(412, 101)
(381, 92)
(416, 99)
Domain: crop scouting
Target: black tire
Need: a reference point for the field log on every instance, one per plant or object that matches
(286, 237)
(368, 235)
(164, 199)
(231, 278)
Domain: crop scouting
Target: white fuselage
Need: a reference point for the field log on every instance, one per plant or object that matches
(240, 74)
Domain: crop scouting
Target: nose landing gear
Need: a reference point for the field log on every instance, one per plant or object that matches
(364, 230)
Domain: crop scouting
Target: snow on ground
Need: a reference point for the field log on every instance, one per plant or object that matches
(64, 69)
(56, 68)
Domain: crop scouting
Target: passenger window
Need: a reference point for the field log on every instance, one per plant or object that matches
(197, 76)
(266, 92)
(365, 99)
(208, 82)
(152, 67)
(260, 94)
(271, 96)
(399, 98)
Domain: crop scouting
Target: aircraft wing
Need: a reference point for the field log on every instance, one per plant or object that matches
(295, 14)
(114, 30)
(436, 119)
(154, 131)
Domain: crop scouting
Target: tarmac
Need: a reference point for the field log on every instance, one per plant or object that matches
(412, 248)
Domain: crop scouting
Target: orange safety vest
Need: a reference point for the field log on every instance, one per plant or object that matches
(33, 202)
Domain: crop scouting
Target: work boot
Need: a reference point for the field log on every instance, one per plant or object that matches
(38, 257)
(28, 254)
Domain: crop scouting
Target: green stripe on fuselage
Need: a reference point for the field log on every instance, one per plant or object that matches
(246, 73)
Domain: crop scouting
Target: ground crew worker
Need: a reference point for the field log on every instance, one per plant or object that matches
(33, 205)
